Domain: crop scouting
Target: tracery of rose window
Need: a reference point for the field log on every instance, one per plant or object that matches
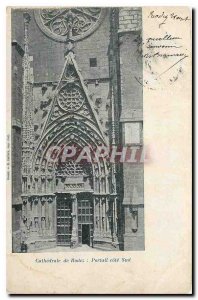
(69, 23)
(70, 98)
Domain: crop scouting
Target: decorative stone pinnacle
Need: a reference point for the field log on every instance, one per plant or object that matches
(26, 17)
(69, 46)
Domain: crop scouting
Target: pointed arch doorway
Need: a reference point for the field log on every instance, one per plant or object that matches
(75, 219)
(85, 200)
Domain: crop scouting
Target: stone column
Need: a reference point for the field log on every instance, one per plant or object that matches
(100, 216)
(34, 227)
(115, 238)
(29, 214)
(36, 215)
(96, 216)
(47, 215)
(36, 184)
(50, 216)
(39, 215)
(39, 185)
(23, 221)
(103, 217)
(24, 210)
(74, 237)
(94, 212)
(116, 216)
(54, 216)
(108, 219)
(43, 216)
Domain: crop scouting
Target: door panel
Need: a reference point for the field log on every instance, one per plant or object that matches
(85, 217)
(64, 221)
(86, 234)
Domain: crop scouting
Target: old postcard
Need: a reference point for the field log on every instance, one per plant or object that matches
(99, 150)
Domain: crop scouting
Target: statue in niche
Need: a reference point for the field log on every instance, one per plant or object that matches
(36, 222)
(98, 102)
(103, 219)
(97, 221)
(134, 221)
(42, 224)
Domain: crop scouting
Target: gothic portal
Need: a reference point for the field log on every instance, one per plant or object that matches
(74, 92)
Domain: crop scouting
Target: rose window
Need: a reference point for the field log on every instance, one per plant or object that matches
(69, 23)
(70, 98)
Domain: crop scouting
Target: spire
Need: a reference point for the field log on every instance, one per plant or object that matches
(114, 189)
(112, 116)
(26, 19)
(27, 125)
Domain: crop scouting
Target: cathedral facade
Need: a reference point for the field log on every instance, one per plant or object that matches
(77, 129)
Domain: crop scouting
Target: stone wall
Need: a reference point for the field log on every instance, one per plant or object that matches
(16, 241)
(51, 52)
(17, 71)
(131, 99)
(17, 25)
(131, 71)
(130, 19)
(134, 237)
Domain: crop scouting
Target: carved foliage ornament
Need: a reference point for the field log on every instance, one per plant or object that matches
(69, 23)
